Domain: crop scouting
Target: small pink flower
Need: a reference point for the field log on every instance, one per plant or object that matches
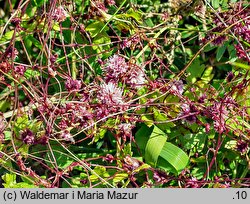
(110, 94)
(73, 85)
(125, 130)
(66, 135)
(59, 14)
(28, 137)
(110, 2)
(165, 16)
(126, 43)
(20, 69)
(242, 146)
(115, 68)
(192, 183)
(136, 77)
(130, 42)
(109, 158)
(176, 87)
(12, 52)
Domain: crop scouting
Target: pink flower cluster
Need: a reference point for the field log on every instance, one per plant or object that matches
(59, 14)
(130, 42)
(110, 94)
(117, 69)
(73, 85)
(220, 111)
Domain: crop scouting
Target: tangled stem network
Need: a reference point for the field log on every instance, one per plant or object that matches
(103, 93)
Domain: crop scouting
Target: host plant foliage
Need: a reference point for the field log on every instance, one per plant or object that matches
(126, 93)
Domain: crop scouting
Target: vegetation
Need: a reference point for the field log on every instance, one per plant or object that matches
(126, 93)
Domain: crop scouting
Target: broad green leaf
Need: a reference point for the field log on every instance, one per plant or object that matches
(209, 47)
(31, 10)
(23, 185)
(56, 27)
(40, 2)
(154, 145)
(174, 156)
(100, 134)
(122, 26)
(21, 123)
(238, 124)
(149, 22)
(207, 76)
(142, 136)
(190, 31)
(63, 159)
(148, 120)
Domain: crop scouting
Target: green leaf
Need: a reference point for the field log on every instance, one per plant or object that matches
(190, 31)
(9, 180)
(34, 41)
(29, 73)
(174, 156)
(240, 65)
(134, 14)
(95, 28)
(215, 3)
(207, 76)
(120, 177)
(100, 171)
(161, 117)
(220, 51)
(195, 70)
(142, 167)
(7, 135)
(21, 123)
(56, 27)
(122, 26)
(7, 36)
(63, 160)
(100, 134)
(142, 136)
(99, 40)
(154, 145)
(4, 105)
(196, 141)
(23, 185)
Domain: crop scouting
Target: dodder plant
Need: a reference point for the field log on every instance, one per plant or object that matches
(104, 93)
